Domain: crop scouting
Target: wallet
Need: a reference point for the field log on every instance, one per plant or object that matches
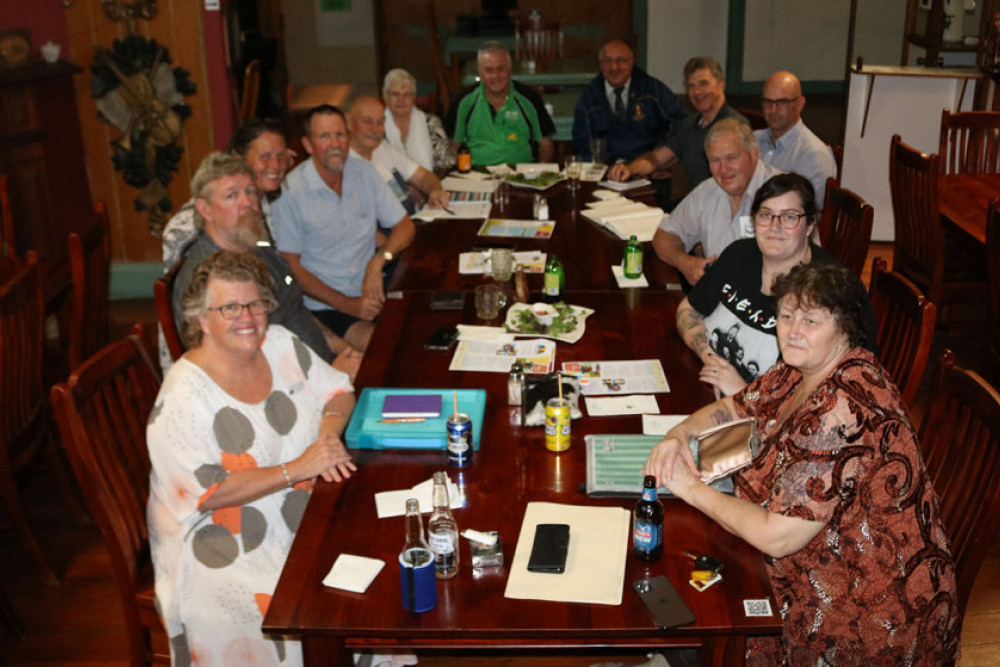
(724, 449)
(548, 553)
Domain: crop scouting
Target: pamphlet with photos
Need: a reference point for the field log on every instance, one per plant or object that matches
(601, 378)
(536, 229)
(536, 355)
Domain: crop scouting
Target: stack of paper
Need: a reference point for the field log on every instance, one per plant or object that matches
(625, 217)
(621, 186)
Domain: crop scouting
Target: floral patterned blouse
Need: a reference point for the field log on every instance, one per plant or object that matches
(877, 584)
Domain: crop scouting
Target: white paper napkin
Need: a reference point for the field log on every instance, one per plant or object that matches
(637, 404)
(628, 282)
(660, 424)
(393, 503)
(353, 573)
(475, 332)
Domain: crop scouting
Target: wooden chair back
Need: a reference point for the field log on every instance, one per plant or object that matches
(7, 246)
(102, 412)
(543, 43)
(23, 414)
(970, 142)
(993, 281)
(913, 184)
(905, 327)
(447, 82)
(90, 266)
(960, 443)
(845, 228)
(251, 91)
(163, 290)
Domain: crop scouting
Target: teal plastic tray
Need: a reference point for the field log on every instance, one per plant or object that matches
(365, 431)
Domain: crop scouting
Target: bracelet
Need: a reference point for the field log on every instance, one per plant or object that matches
(287, 478)
(327, 413)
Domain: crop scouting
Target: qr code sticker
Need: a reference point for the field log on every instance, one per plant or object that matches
(757, 607)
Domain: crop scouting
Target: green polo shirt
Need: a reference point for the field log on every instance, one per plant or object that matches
(501, 138)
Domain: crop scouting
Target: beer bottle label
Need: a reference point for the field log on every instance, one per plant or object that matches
(646, 536)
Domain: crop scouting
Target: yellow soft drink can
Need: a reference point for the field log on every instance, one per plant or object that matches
(557, 424)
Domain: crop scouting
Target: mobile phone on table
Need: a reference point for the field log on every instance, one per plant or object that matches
(442, 339)
(548, 552)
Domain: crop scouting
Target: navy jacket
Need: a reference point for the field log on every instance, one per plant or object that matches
(650, 113)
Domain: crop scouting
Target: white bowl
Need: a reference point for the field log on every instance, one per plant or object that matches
(544, 313)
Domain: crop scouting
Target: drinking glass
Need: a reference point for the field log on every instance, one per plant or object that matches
(501, 264)
(597, 147)
(574, 167)
(489, 300)
(501, 194)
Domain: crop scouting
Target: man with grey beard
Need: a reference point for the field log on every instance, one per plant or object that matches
(227, 216)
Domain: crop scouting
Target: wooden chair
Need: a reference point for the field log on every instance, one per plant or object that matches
(993, 281)
(951, 278)
(90, 265)
(970, 142)
(102, 412)
(251, 91)
(960, 443)
(24, 417)
(163, 289)
(7, 245)
(845, 228)
(542, 44)
(905, 327)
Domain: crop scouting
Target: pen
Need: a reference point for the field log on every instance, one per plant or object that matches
(403, 420)
(448, 210)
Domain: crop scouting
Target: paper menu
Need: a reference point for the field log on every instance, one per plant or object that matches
(537, 355)
(610, 378)
(595, 562)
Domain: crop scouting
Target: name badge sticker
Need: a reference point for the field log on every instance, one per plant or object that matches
(746, 224)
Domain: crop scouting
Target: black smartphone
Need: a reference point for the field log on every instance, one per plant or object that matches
(442, 339)
(448, 300)
(548, 553)
(663, 602)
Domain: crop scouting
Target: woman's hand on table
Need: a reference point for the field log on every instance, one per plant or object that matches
(721, 374)
(327, 458)
(669, 461)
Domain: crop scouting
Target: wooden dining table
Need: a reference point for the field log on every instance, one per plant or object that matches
(511, 468)
(964, 200)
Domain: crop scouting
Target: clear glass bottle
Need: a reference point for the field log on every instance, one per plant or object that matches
(443, 530)
(632, 260)
(415, 551)
(554, 278)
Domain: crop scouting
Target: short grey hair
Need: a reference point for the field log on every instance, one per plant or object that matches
(216, 165)
(703, 62)
(492, 46)
(397, 76)
(736, 126)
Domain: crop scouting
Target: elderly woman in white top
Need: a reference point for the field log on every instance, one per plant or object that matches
(420, 135)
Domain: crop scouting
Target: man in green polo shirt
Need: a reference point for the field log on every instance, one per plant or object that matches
(501, 120)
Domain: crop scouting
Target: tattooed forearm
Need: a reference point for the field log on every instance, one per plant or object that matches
(720, 416)
(691, 327)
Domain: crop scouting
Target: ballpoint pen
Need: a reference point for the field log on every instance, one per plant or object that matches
(403, 420)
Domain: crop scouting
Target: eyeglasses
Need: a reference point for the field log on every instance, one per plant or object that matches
(233, 311)
(787, 219)
(781, 104)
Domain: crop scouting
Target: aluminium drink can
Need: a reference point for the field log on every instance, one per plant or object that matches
(459, 440)
(557, 425)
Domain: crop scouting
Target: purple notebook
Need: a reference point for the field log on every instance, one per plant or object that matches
(402, 406)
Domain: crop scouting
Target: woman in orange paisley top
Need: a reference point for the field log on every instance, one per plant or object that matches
(837, 497)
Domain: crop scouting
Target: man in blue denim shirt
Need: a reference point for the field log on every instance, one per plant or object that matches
(625, 106)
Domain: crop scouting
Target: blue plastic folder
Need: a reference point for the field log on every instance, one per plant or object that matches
(366, 430)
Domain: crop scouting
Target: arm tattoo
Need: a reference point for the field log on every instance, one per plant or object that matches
(721, 416)
(691, 327)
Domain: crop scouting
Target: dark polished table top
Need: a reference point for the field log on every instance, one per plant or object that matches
(586, 249)
(511, 468)
(964, 200)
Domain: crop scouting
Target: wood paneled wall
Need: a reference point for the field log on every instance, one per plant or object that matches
(178, 26)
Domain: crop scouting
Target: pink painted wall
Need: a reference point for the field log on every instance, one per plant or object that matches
(43, 17)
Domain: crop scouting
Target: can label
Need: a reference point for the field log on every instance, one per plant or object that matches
(459, 440)
(557, 425)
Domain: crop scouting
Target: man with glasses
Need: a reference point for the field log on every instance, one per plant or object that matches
(227, 217)
(717, 212)
(632, 111)
(787, 143)
(706, 89)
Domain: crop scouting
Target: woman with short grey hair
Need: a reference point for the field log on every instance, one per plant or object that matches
(420, 135)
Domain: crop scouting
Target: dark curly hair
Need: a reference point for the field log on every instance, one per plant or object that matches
(832, 287)
(224, 265)
(248, 132)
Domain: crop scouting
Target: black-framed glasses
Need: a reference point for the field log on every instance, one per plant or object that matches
(787, 219)
(233, 311)
(782, 104)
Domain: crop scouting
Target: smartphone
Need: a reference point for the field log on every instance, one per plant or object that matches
(664, 603)
(442, 339)
(548, 553)
(448, 300)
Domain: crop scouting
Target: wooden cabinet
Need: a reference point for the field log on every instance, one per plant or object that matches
(41, 152)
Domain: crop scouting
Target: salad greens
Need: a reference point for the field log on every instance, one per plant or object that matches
(543, 180)
(564, 321)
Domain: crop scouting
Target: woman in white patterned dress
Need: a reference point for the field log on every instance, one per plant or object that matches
(243, 425)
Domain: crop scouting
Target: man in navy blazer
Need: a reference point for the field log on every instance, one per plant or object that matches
(623, 105)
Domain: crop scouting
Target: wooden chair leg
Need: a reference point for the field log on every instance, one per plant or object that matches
(10, 495)
(67, 488)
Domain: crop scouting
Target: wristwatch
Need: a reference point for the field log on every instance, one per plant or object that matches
(388, 255)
